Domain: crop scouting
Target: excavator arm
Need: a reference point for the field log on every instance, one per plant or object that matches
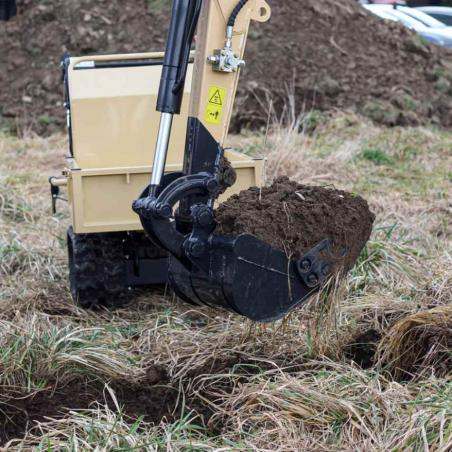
(8, 9)
(239, 273)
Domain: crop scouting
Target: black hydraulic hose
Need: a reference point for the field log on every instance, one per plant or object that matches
(235, 12)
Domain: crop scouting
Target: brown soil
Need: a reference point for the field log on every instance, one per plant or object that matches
(331, 55)
(334, 54)
(153, 403)
(295, 218)
(158, 398)
(362, 348)
(34, 41)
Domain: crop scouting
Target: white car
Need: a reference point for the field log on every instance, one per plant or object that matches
(429, 28)
(441, 13)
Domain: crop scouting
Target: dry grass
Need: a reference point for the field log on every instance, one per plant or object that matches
(331, 406)
(365, 366)
(418, 344)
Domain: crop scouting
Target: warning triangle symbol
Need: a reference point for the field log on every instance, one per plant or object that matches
(216, 98)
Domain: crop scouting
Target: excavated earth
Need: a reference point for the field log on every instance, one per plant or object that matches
(154, 401)
(294, 218)
(322, 54)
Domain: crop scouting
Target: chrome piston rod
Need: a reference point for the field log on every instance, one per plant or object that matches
(161, 149)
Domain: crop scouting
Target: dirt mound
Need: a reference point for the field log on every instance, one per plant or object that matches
(295, 218)
(331, 55)
(337, 55)
(34, 41)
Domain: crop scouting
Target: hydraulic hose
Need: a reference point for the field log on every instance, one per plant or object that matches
(236, 12)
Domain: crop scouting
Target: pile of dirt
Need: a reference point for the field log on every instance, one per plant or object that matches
(31, 94)
(295, 218)
(330, 55)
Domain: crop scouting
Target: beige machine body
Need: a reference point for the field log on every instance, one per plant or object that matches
(114, 124)
(114, 127)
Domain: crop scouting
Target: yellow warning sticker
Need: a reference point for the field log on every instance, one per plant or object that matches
(215, 105)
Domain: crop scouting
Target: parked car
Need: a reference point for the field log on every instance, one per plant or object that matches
(424, 18)
(440, 34)
(441, 13)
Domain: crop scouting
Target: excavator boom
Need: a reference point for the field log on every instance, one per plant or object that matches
(8, 9)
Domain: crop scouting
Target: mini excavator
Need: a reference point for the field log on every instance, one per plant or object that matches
(107, 253)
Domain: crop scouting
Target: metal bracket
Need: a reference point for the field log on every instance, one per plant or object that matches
(55, 184)
(225, 60)
(315, 266)
(261, 11)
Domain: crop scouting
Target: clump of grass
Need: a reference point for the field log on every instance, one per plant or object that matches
(376, 156)
(14, 206)
(18, 257)
(419, 344)
(104, 428)
(35, 352)
(387, 260)
(328, 404)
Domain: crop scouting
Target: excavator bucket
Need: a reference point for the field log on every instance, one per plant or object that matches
(246, 276)
(240, 273)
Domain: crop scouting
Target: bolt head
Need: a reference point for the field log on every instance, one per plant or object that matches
(164, 210)
(326, 270)
(205, 218)
(196, 248)
(313, 280)
(305, 265)
(212, 185)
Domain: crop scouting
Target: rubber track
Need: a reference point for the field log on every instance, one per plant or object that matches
(97, 270)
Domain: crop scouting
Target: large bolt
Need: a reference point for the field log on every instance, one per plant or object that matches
(305, 265)
(212, 185)
(326, 270)
(164, 210)
(313, 280)
(196, 248)
(204, 217)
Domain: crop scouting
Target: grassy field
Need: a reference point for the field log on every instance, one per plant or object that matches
(367, 367)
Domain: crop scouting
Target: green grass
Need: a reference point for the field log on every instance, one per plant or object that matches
(376, 156)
